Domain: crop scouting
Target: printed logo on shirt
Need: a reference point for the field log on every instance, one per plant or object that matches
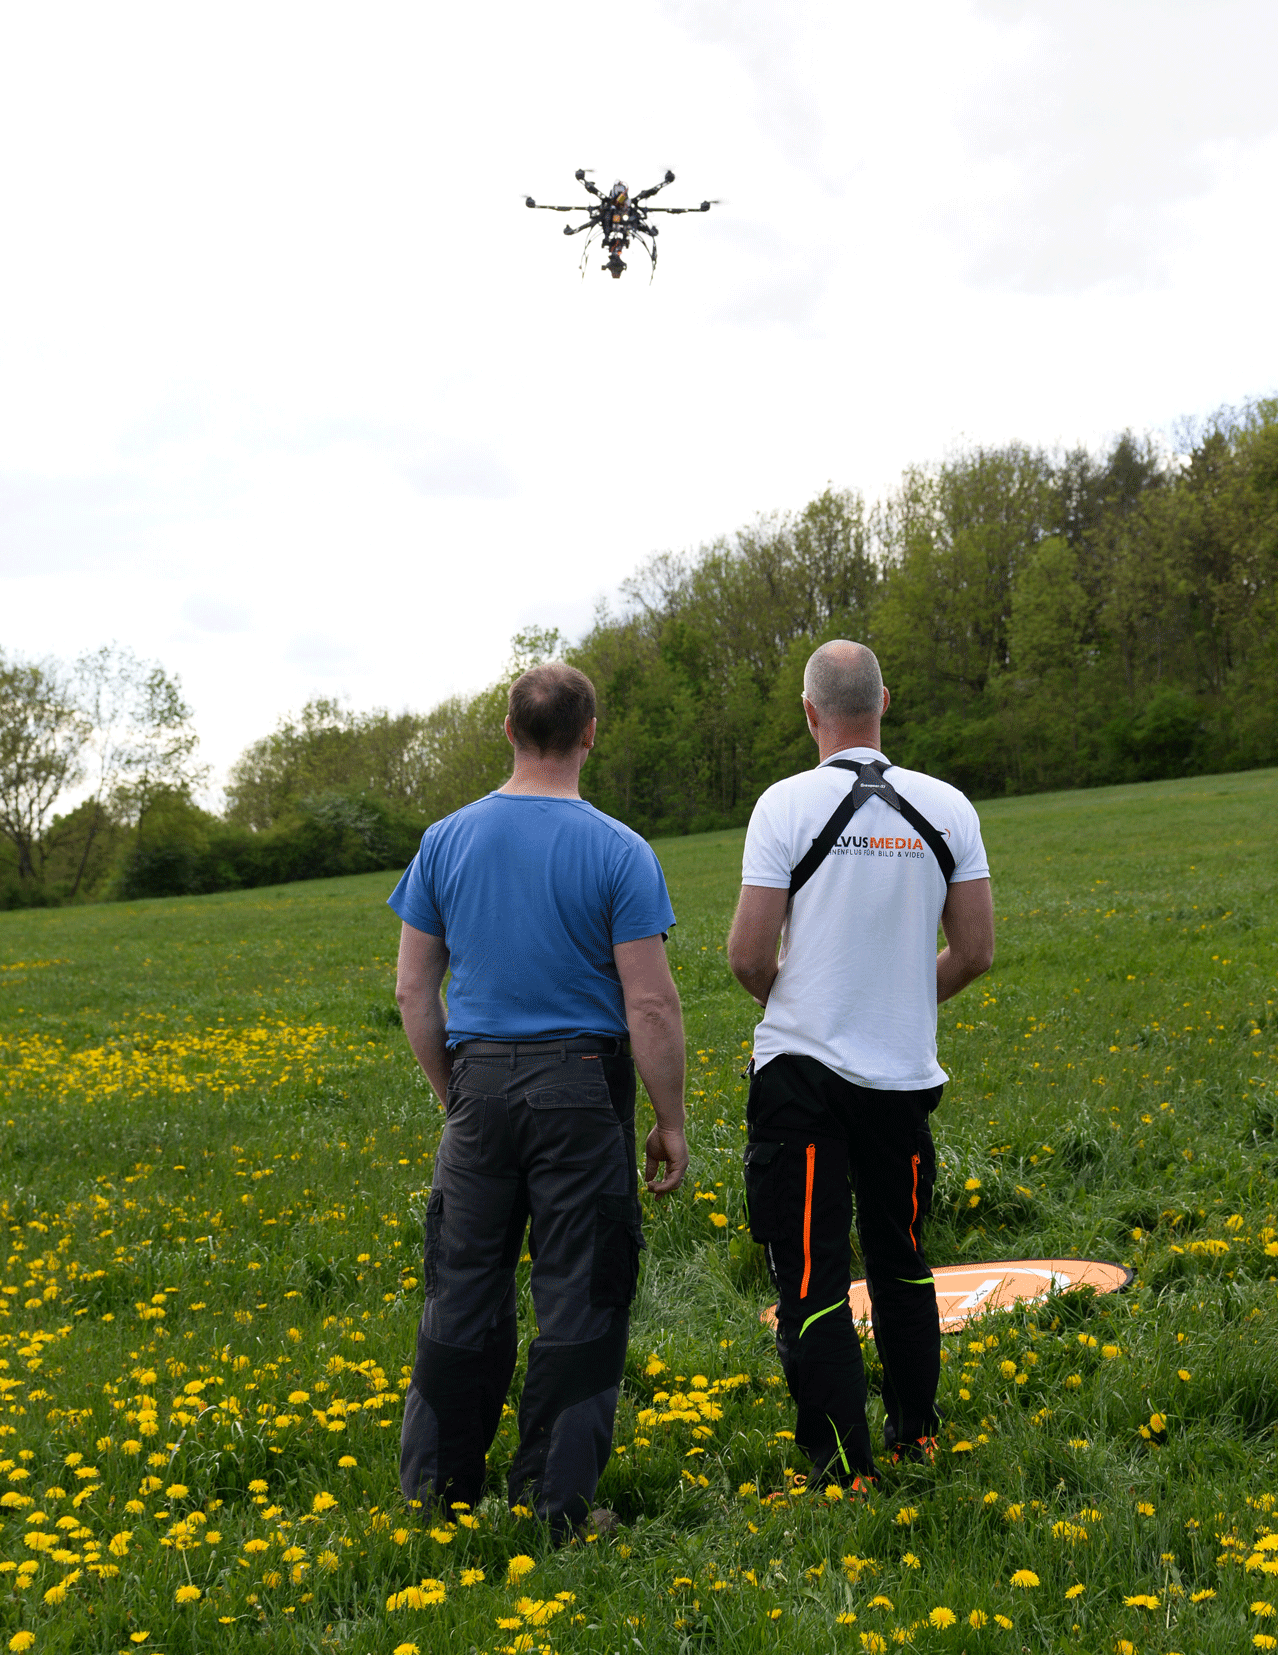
(872, 845)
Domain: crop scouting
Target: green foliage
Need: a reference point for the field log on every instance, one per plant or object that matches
(183, 850)
(1041, 623)
(216, 1118)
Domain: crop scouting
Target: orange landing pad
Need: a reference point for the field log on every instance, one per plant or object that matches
(965, 1291)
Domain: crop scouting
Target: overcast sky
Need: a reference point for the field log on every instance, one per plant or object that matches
(296, 396)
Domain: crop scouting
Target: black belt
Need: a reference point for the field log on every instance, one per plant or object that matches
(607, 1045)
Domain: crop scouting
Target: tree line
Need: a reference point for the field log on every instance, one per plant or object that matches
(1044, 620)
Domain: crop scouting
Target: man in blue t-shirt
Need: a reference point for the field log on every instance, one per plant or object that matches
(552, 919)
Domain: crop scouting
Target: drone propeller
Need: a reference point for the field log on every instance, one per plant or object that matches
(703, 208)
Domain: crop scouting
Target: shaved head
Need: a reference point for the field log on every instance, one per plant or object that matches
(843, 682)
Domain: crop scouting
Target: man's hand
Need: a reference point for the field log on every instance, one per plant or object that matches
(666, 1146)
(656, 1039)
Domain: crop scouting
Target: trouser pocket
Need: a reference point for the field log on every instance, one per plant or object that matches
(434, 1233)
(763, 1163)
(614, 1272)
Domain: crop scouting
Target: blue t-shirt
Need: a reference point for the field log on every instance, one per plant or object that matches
(530, 894)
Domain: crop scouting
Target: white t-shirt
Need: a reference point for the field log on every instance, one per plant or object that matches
(857, 984)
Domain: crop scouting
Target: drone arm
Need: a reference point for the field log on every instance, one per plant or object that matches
(645, 195)
(703, 208)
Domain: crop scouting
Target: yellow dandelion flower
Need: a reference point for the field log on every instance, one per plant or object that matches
(906, 1515)
(1124, 1646)
(873, 1644)
(257, 1486)
(323, 1502)
(1184, 1375)
(961, 1448)
(20, 1641)
(746, 1490)
(775, 1614)
(941, 1617)
(1144, 1508)
(1141, 1600)
(880, 1602)
(138, 1637)
(518, 1567)
(1025, 1578)
(187, 1594)
(1201, 1597)
(472, 1577)
(719, 1220)
(1262, 1608)
(911, 1561)
(406, 1649)
(509, 1623)
(347, 1461)
(177, 1491)
(977, 1619)
(1075, 1591)
(1002, 1620)
(1262, 1640)
(443, 1537)
(846, 1620)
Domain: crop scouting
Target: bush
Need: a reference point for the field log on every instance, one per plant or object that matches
(183, 851)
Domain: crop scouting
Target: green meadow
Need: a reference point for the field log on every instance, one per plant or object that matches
(214, 1156)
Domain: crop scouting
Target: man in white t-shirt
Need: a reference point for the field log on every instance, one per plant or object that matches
(844, 1075)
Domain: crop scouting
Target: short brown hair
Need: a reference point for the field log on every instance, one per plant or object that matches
(550, 707)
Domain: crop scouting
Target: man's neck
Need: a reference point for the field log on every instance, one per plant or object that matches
(839, 741)
(545, 778)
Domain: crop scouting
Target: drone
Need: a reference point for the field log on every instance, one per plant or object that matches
(619, 217)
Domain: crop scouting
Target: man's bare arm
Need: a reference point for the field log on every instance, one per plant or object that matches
(423, 965)
(968, 922)
(655, 1021)
(752, 942)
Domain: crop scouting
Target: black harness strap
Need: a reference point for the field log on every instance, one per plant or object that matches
(869, 784)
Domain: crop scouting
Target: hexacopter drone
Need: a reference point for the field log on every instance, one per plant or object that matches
(619, 217)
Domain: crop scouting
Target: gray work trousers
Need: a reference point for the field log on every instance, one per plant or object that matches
(547, 1134)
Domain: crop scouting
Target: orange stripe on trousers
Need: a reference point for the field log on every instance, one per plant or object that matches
(914, 1196)
(807, 1222)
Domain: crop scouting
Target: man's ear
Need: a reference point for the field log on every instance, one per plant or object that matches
(510, 734)
(887, 699)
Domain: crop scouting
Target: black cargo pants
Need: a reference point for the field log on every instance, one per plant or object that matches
(547, 1132)
(815, 1141)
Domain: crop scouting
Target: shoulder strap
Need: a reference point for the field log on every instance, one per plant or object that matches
(869, 784)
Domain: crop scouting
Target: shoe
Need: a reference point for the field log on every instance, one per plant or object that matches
(922, 1451)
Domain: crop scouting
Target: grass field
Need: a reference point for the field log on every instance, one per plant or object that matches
(213, 1163)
